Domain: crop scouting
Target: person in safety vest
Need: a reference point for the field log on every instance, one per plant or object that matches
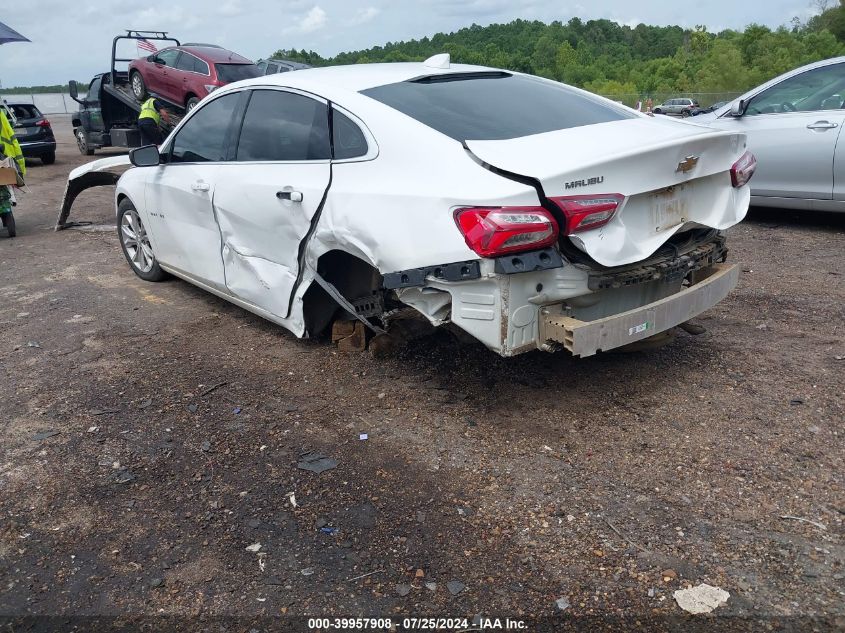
(9, 148)
(152, 113)
(9, 144)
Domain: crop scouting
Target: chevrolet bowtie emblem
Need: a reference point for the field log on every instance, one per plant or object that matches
(687, 165)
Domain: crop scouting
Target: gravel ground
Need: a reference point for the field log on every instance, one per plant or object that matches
(178, 421)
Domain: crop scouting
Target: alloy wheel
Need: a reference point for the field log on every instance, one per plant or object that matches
(136, 241)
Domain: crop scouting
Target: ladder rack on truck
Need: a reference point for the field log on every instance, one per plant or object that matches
(108, 115)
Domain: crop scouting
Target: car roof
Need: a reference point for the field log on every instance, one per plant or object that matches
(215, 54)
(356, 77)
(288, 62)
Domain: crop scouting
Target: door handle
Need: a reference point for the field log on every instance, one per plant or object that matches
(200, 186)
(293, 196)
(822, 125)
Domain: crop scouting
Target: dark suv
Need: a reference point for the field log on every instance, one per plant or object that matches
(33, 132)
(182, 75)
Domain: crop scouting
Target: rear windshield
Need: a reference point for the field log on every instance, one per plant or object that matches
(236, 72)
(494, 105)
(25, 111)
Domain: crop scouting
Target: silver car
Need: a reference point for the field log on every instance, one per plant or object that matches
(684, 107)
(793, 124)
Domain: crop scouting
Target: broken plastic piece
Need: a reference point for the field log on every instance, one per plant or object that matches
(316, 463)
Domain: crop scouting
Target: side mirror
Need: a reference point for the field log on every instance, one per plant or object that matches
(146, 156)
(738, 108)
(73, 89)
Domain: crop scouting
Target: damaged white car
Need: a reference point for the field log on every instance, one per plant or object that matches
(530, 214)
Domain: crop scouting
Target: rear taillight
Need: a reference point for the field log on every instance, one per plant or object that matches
(43, 123)
(494, 231)
(588, 212)
(743, 169)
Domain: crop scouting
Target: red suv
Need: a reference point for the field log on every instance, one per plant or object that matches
(183, 75)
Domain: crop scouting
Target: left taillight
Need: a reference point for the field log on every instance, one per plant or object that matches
(495, 231)
(743, 169)
(584, 213)
(43, 123)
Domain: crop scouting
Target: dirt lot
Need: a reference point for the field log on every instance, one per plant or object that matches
(610, 482)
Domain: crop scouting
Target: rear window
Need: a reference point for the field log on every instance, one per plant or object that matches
(493, 105)
(236, 72)
(25, 111)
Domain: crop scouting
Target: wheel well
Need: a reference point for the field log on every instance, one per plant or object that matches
(188, 97)
(353, 277)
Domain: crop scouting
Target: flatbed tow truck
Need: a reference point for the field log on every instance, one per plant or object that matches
(108, 114)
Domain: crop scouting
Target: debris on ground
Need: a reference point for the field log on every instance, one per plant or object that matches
(701, 599)
(237, 410)
(156, 582)
(562, 604)
(431, 586)
(821, 526)
(124, 477)
(316, 463)
(403, 590)
(193, 408)
(44, 435)
(255, 547)
(363, 436)
(308, 571)
(455, 587)
(292, 498)
(33, 344)
(146, 403)
(331, 531)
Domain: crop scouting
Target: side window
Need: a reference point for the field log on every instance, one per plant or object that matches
(93, 96)
(186, 62)
(168, 57)
(347, 139)
(819, 89)
(272, 69)
(203, 137)
(284, 126)
(200, 66)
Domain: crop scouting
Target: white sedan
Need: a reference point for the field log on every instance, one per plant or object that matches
(794, 124)
(530, 214)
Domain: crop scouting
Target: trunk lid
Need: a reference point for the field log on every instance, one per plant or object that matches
(673, 175)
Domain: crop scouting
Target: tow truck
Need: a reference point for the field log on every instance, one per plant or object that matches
(108, 114)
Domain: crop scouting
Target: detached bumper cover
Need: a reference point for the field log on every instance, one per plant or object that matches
(585, 338)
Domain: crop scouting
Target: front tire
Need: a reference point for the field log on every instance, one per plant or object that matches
(82, 143)
(191, 103)
(135, 243)
(48, 159)
(658, 111)
(139, 89)
(9, 224)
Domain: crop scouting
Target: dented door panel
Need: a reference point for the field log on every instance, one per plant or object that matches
(262, 223)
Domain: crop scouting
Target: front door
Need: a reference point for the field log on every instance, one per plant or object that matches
(272, 193)
(792, 129)
(179, 193)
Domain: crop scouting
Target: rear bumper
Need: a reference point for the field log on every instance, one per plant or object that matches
(585, 338)
(37, 148)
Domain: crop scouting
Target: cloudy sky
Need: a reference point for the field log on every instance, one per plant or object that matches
(71, 39)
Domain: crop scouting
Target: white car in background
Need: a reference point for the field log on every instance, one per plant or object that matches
(530, 214)
(794, 125)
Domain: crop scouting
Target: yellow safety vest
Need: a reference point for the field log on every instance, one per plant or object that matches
(148, 111)
(9, 144)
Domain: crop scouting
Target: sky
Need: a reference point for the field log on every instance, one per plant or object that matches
(71, 39)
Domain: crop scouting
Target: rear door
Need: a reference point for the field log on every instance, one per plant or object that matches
(793, 128)
(272, 192)
(179, 193)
